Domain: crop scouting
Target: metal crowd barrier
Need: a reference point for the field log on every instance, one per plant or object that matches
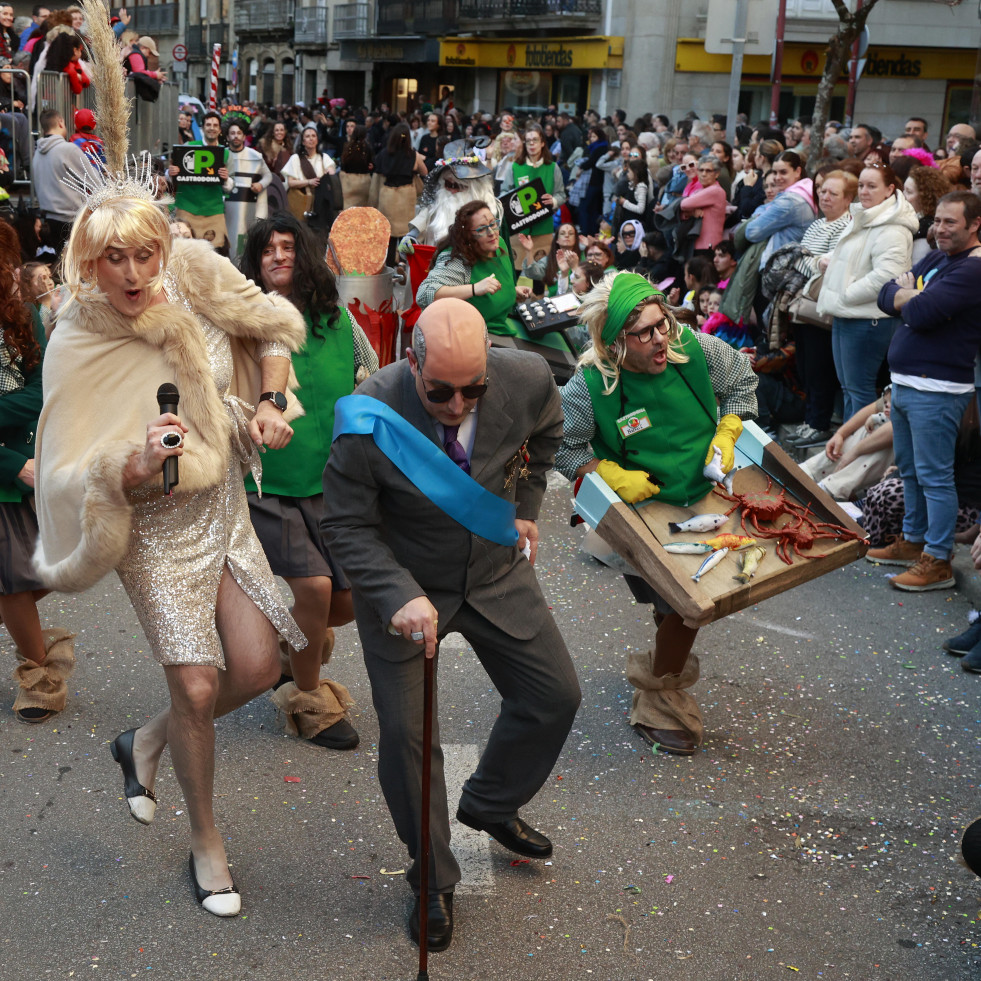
(152, 124)
(17, 119)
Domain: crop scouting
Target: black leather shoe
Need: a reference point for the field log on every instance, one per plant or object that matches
(341, 735)
(676, 741)
(439, 931)
(515, 834)
(141, 802)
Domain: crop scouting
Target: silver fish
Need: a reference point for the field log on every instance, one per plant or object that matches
(710, 563)
(701, 522)
(751, 562)
(687, 548)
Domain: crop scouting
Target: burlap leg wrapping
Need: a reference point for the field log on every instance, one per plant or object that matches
(43, 686)
(310, 712)
(662, 703)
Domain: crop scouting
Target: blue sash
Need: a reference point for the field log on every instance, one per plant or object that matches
(429, 469)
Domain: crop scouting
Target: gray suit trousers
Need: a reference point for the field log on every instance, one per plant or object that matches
(540, 695)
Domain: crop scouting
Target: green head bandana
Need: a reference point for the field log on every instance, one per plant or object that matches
(629, 289)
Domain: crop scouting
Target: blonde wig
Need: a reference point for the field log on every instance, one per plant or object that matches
(125, 222)
(608, 359)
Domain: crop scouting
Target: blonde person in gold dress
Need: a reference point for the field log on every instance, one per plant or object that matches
(147, 310)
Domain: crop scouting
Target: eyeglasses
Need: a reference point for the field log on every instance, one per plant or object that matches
(443, 393)
(489, 228)
(690, 166)
(646, 334)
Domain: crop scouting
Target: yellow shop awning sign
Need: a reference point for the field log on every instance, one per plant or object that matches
(570, 54)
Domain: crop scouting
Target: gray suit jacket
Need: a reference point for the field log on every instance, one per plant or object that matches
(394, 544)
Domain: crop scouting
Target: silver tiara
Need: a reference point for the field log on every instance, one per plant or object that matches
(100, 184)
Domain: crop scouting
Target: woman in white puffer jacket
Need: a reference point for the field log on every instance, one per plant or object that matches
(876, 247)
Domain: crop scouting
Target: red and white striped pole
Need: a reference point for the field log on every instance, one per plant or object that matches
(215, 59)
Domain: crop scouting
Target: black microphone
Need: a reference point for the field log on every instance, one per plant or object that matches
(167, 399)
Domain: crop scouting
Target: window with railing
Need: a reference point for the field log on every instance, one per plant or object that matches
(507, 9)
(263, 15)
(310, 24)
(403, 17)
(161, 18)
(351, 20)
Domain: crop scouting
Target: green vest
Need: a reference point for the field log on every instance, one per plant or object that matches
(324, 368)
(674, 446)
(547, 173)
(495, 307)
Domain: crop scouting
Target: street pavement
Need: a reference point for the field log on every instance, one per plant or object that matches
(815, 835)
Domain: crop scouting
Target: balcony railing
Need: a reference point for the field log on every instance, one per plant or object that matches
(351, 21)
(310, 25)
(160, 19)
(510, 9)
(201, 37)
(402, 17)
(265, 16)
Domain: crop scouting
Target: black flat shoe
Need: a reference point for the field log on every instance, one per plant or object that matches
(515, 834)
(220, 902)
(439, 930)
(341, 735)
(32, 716)
(142, 802)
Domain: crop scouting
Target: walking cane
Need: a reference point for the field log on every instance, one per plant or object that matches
(427, 752)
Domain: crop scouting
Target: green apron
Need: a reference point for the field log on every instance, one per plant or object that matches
(674, 446)
(495, 307)
(547, 173)
(324, 368)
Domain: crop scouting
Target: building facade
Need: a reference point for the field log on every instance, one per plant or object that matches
(488, 55)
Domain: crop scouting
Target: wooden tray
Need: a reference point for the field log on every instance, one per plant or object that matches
(637, 532)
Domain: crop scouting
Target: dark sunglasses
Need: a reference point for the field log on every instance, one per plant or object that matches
(443, 393)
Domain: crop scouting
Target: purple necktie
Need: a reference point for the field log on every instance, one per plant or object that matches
(454, 450)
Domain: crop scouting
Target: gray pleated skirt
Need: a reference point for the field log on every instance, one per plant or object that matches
(18, 535)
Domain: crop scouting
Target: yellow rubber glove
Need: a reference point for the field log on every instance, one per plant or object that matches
(631, 485)
(725, 439)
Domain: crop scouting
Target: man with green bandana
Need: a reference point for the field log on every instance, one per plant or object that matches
(649, 407)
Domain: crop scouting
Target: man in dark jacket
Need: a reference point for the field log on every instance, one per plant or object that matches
(570, 135)
(931, 359)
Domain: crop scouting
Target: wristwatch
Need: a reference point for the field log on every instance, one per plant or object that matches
(278, 399)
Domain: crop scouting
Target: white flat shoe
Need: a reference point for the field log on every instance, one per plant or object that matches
(220, 902)
(141, 802)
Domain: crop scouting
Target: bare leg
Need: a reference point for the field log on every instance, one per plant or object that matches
(673, 642)
(341, 608)
(198, 696)
(20, 617)
(311, 610)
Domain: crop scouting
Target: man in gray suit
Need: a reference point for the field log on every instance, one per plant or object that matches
(418, 574)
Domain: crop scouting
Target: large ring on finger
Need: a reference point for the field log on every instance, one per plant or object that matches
(170, 441)
(418, 636)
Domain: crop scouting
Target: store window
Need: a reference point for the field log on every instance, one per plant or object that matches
(524, 91)
(404, 94)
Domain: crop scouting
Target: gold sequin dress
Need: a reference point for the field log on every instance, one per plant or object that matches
(180, 545)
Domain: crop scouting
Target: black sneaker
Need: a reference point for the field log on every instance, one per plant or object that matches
(962, 643)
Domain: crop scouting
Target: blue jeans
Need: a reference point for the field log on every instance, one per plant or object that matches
(924, 433)
(859, 348)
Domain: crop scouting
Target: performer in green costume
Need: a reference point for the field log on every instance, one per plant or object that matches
(643, 411)
(280, 255)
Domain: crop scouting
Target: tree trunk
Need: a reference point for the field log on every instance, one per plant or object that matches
(839, 48)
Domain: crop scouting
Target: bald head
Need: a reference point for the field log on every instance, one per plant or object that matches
(449, 352)
(959, 133)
